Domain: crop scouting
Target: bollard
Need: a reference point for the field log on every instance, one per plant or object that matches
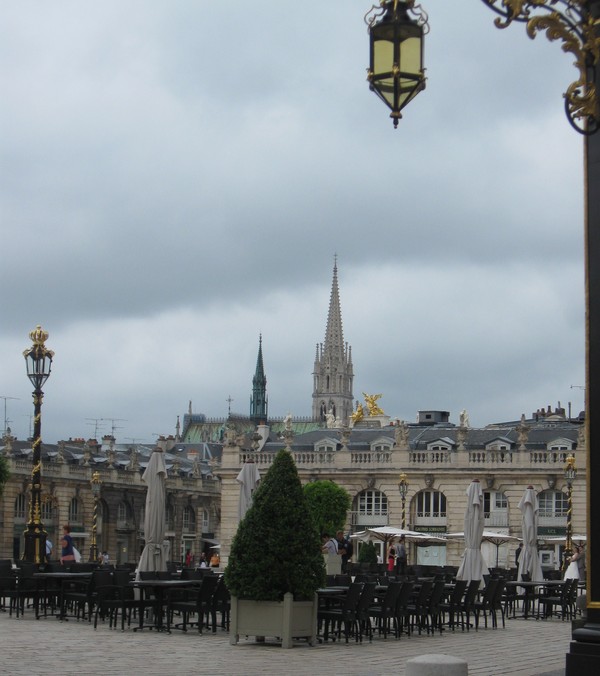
(434, 665)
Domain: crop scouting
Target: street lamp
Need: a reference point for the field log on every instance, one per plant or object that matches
(396, 72)
(570, 476)
(403, 488)
(39, 363)
(96, 484)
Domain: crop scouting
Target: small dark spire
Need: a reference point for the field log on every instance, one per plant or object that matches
(259, 401)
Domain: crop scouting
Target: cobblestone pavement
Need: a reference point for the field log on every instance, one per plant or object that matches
(47, 646)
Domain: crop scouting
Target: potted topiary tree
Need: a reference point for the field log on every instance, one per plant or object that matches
(275, 565)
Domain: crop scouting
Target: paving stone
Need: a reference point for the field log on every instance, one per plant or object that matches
(47, 646)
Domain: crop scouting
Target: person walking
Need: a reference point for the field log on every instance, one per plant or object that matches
(67, 553)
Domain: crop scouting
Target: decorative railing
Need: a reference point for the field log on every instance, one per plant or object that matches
(476, 459)
(371, 457)
(548, 457)
(430, 457)
(490, 457)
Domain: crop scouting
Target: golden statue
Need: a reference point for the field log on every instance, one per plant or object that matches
(359, 414)
(371, 401)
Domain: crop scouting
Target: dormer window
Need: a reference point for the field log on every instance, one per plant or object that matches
(560, 445)
(325, 445)
(382, 444)
(444, 444)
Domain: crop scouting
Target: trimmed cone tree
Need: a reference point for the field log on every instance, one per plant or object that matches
(277, 547)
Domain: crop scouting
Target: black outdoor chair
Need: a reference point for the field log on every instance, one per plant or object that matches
(25, 589)
(418, 606)
(555, 599)
(450, 608)
(346, 614)
(194, 601)
(120, 597)
(433, 612)
(363, 617)
(402, 609)
(485, 604)
(81, 595)
(466, 608)
(8, 581)
(384, 611)
(221, 604)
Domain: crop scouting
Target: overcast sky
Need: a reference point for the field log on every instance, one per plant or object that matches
(176, 178)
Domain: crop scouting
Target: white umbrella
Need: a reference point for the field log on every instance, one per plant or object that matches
(388, 533)
(248, 479)
(472, 566)
(155, 553)
(529, 561)
(489, 536)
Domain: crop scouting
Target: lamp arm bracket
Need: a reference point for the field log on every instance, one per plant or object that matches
(573, 23)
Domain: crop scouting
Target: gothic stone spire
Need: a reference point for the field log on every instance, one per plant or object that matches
(333, 373)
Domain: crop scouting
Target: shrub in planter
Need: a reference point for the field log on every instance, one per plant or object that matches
(367, 553)
(277, 547)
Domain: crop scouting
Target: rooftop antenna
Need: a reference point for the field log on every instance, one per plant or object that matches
(6, 420)
(96, 423)
(114, 427)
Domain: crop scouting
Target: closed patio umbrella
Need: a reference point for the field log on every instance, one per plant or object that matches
(529, 561)
(155, 553)
(248, 479)
(472, 566)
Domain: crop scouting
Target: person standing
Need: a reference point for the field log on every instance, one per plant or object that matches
(330, 545)
(391, 560)
(67, 553)
(345, 549)
(518, 553)
(401, 556)
(48, 550)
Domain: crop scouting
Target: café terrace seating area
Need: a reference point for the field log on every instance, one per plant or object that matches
(365, 604)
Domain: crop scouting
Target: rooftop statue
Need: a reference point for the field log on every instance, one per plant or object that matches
(371, 401)
(359, 414)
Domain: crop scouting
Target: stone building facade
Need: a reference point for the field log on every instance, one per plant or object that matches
(193, 496)
(439, 462)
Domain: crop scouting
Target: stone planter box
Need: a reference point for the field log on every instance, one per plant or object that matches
(285, 620)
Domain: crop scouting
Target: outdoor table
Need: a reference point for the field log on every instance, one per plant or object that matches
(161, 589)
(530, 588)
(62, 578)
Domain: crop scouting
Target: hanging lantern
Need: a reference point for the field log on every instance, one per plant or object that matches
(396, 71)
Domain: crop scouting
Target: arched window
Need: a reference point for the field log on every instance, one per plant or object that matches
(553, 504)
(431, 504)
(371, 508)
(495, 508)
(48, 512)
(170, 515)
(124, 515)
(189, 519)
(205, 521)
(75, 512)
(21, 507)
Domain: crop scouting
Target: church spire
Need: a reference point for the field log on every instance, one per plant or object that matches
(333, 372)
(258, 401)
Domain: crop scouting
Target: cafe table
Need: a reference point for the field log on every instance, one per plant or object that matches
(160, 589)
(62, 578)
(530, 589)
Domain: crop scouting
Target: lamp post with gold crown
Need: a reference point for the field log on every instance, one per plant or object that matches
(96, 485)
(570, 475)
(403, 488)
(39, 363)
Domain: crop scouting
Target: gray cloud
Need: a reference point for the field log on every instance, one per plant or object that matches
(176, 179)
